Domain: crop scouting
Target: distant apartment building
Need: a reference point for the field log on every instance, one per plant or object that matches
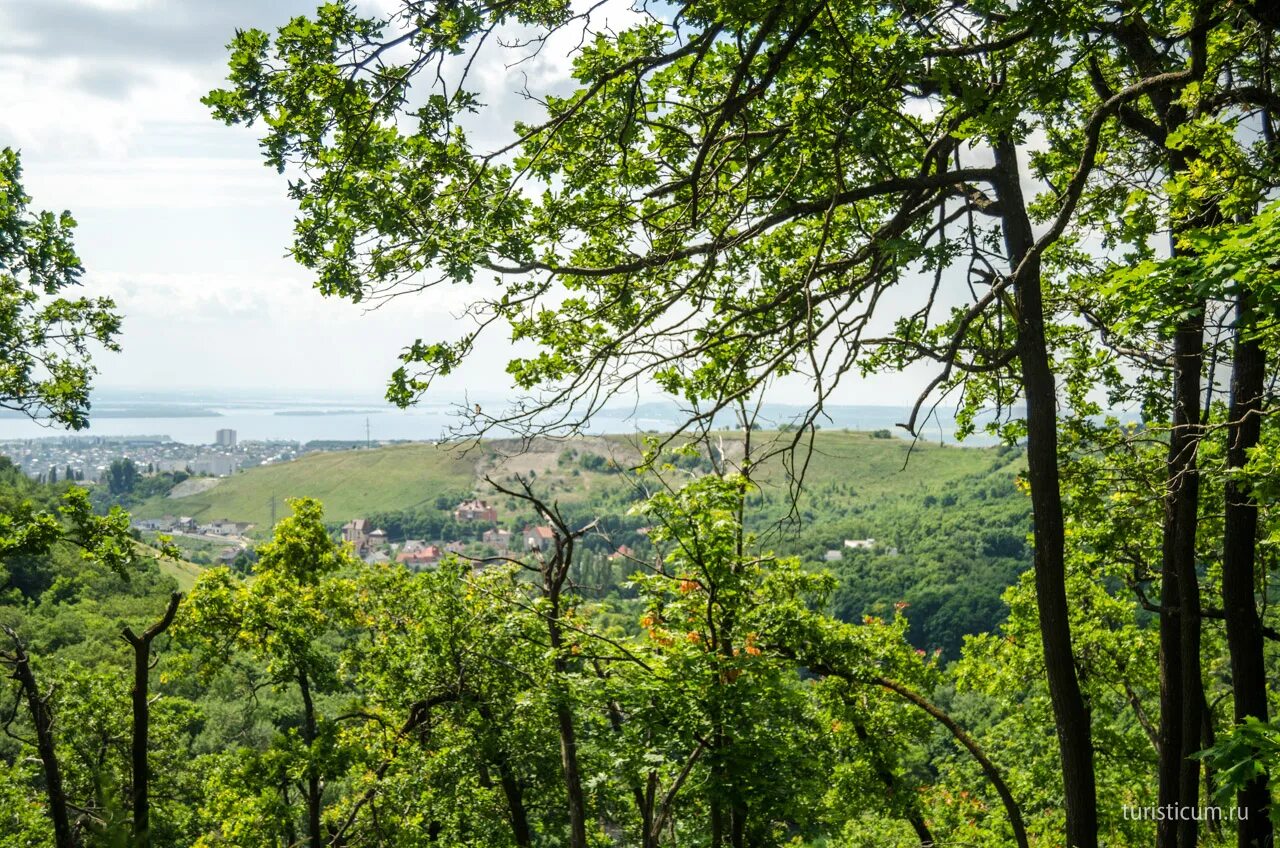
(226, 439)
(475, 510)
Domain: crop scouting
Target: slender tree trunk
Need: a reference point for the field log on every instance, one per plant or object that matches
(42, 719)
(309, 734)
(139, 743)
(511, 789)
(1181, 689)
(554, 575)
(1185, 491)
(894, 790)
(1070, 712)
(1168, 778)
(1239, 568)
(569, 749)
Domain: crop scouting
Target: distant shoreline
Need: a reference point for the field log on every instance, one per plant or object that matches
(139, 412)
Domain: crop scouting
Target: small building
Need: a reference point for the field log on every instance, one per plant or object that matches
(184, 524)
(427, 557)
(377, 539)
(154, 524)
(499, 538)
(860, 544)
(475, 510)
(412, 545)
(357, 532)
(833, 556)
(622, 552)
(224, 527)
(540, 538)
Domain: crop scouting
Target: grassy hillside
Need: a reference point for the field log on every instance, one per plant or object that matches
(350, 483)
(355, 483)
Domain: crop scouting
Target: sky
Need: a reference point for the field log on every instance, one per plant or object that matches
(182, 223)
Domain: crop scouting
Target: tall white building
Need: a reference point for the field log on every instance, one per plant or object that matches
(226, 438)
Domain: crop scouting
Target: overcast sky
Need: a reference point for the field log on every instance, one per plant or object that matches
(182, 223)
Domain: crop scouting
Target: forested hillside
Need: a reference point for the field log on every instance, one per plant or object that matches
(948, 525)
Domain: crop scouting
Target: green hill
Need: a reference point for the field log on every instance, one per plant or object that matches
(349, 483)
(354, 483)
(948, 524)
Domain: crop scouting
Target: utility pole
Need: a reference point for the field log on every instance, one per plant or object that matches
(368, 442)
(273, 511)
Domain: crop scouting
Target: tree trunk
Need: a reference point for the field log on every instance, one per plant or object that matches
(1186, 509)
(1070, 712)
(894, 789)
(309, 734)
(554, 576)
(514, 794)
(42, 718)
(1239, 568)
(139, 743)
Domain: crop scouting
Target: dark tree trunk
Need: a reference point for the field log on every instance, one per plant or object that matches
(139, 743)
(511, 788)
(1184, 491)
(894, 789)
(1070, 712)
(554, 573)
(1239, 568)
(1168, 778)
(568, 738)
(309, 733)
(42, 719)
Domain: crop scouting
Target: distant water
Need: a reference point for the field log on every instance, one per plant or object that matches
(193, 419)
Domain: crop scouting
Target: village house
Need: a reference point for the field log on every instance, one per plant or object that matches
(499, 538)
(622, 552)
(154, 524)
(539, 538)
(475, 510)
(224, 527)
(357, 532)
(425, 557)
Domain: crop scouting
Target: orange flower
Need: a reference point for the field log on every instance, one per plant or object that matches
(687, 586)
(693, 636)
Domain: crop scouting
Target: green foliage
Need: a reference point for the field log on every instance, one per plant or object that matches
(1249, 751)
(45, 335)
